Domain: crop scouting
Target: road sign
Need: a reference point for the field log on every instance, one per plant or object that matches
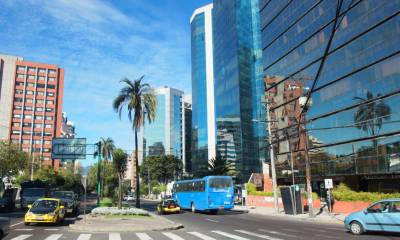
(68, 148)
(328, 183)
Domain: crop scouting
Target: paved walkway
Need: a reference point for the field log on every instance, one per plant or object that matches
(320, 216)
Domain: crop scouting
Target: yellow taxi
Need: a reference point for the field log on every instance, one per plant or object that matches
(45, 210)
(168, 206)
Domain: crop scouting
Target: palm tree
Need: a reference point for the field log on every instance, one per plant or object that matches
(221, 167)
(370, 116)
(107, 148)
(140, 102)
(119, 165)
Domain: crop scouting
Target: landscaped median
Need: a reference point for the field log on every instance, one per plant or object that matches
(108, 219)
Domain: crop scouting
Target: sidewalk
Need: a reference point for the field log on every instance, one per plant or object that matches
(320, 216)
(121, 224)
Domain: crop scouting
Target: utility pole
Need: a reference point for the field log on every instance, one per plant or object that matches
(98, 172)
(148, 179)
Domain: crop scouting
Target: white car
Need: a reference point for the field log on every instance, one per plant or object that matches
(4, 226)
(130, 198)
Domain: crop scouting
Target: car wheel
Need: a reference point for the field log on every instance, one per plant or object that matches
(193, 207)
(26, 223)
(356, 228)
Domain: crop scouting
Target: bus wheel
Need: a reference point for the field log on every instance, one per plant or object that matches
(214, 211)
(193, 208)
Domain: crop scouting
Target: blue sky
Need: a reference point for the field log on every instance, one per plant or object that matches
(98, 43)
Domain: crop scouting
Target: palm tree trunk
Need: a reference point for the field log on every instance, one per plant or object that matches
(102, 179)
(119, 191)
(137, 171)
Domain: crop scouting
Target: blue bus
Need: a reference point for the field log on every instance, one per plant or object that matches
(211, 193)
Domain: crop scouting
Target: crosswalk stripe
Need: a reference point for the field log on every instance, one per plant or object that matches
(143, 236)
(84, 237)
(22, 237)
(114, 236)
(201, 236)
(172, 236)
(230, 235)
(53, 237)
(257, 235)
(23, 229)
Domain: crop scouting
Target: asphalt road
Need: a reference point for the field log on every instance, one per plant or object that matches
(227, 225)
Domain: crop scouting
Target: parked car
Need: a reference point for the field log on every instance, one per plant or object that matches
(168, 206)
(382, 216)
(45, 210)
(4, 226)
(130, 198)
(69, 200)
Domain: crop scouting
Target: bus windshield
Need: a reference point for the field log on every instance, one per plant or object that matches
(220, 182)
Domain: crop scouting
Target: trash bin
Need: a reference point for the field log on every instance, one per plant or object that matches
(291, 199)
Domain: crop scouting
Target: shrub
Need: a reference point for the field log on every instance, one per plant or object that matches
(251, 190)
(344, 193)
(113, 211)
(106, 202)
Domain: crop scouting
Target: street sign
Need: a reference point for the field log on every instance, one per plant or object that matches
(68, 148)
(328, 183)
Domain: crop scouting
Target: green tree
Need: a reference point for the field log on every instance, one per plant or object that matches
(220, 167)
(120, 159)
(141, 103)
(370, 115)
(163, 168)
(12, 160)
(107, 148)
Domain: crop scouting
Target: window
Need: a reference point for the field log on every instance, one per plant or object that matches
(32, 77)
(28, 116)
(395, 207)
(36, 150)
(29, 100)
(37, 134)
(39, 101)
(49, 118)
(50, 94)
(37, 141)
(380, 207)
(47, 142)
(38, 125)
(25, 149)
(39, 117)
(52, 79)
(50, 102)
(51, 86)
(46, 150)
(16, 124)
(26, 132)
(31, 69)
(46, 158)
(29, 92)
(20, 84)
(42, 70)
(27, 124)
(15, 141)
(28, 108)
(18, 91)
(220, 182)
(39, 109)
(30, 84)
(17, 116)
(21, 68)
(47, 126)
(22, 76)
(41, 78)
(18, 100)
(40, 93)
(52, 71)
(25, 141)
(16, 132)
(49, 110)
(17, 107)
(47, 134)
(39, 85)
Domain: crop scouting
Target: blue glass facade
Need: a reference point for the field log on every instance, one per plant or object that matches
(199, 134)
(239, 89)
(353, 122)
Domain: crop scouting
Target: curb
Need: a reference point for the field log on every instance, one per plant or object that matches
(93, 228)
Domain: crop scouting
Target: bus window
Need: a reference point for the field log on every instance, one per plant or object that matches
(220, 182)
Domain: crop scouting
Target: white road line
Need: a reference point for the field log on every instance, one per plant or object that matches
(51, 229)
(53, 237)
(23, 229)
(143, 236)
(258, 235)
(84, 237)
(172, 236)
(201, 236)
(114, 236)
(230, 235)
(211, 220)
(16, 224)
(278, 233)
(22, 237)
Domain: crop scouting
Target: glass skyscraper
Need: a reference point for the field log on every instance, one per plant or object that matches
(343, 55)
(238, 85)
(165, 134)
(203, 118)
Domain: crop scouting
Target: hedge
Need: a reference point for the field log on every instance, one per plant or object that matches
(252, 191)
(344, 193)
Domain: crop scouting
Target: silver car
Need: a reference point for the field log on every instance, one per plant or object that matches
(4, 226)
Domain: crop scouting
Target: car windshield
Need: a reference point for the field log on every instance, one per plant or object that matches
(34, 192)
(67, 195)
(47, 204)
(220, 182)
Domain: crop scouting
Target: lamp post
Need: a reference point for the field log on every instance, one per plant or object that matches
(98, 172)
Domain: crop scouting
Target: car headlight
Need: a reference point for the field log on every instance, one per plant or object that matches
(29, 214)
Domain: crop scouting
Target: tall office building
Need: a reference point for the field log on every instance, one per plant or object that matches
(187, 133)
(164, 135)
(345, 54)
(203, 114)
(239, 88)
(31, 105)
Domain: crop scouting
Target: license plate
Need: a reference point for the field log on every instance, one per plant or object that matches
(39, 218)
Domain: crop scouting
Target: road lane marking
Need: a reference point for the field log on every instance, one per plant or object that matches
(258, 235)
(23, 229)
(172, 236)
(84, 237)
(16, 224)
(230, 235)
(51, 229)
(114, 236)
(278, 233)
(201, 236)
(143, 236)
(53, 237)
(22, 237)
(211, 220)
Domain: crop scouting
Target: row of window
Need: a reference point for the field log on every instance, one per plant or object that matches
(39, 85)
(197, 186)
(35, 141)
(33, 69)
(29, 116)
(30, 108)
(38, 93)
(18, 132)
(35, 125)
(33, 77)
